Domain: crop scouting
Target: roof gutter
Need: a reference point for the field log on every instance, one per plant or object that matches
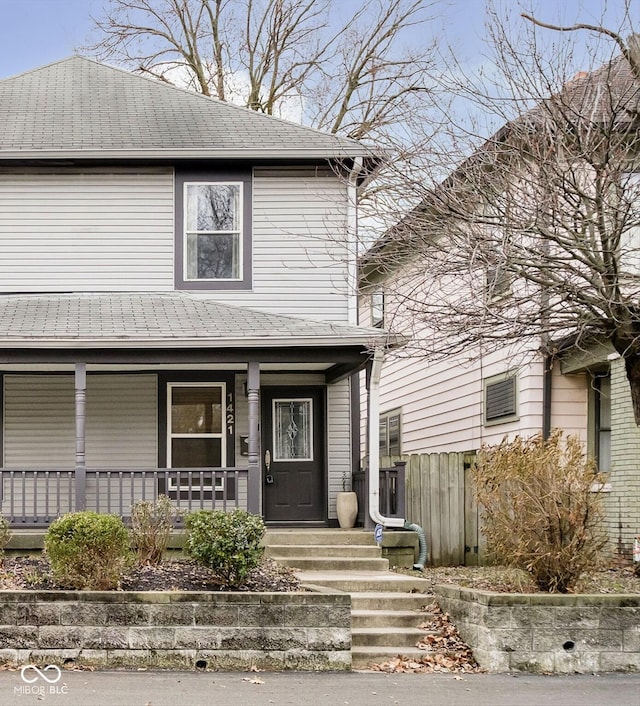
(374, 446)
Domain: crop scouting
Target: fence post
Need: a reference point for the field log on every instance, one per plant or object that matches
(400, 489)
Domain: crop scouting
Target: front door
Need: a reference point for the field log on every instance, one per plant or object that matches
(293, 454)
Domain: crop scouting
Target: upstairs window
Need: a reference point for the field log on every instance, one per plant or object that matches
(213, 231)
(501, 398)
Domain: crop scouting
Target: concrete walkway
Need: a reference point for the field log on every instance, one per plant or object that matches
(321, 689)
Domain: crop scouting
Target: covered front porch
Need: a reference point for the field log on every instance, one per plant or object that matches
(237, 409)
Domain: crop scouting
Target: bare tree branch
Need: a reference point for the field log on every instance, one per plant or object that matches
(533, 241)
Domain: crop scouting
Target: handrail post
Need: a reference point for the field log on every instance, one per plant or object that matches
(254, 485)
(80, 412)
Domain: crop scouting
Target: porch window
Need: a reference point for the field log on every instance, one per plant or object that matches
(196, 429)
(390, 433)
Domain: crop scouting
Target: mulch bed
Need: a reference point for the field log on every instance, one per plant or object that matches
(32, 573)
(611, 580)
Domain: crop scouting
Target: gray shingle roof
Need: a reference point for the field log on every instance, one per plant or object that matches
(160, 320)
(81, 108)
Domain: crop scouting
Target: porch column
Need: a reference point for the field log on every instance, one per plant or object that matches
(81, 464)
(254, 500)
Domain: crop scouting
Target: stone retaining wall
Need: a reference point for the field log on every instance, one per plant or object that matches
(179, 630)
(548, 633)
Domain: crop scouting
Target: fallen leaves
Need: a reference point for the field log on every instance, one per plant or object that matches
(444, 650)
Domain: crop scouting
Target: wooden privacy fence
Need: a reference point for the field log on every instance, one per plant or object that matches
(440, 497)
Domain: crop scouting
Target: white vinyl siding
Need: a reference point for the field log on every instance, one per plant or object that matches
(93, 230)
(300, 249)
(339, 434)
(39, 421)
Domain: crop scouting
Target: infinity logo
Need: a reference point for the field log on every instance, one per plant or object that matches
(41, 673)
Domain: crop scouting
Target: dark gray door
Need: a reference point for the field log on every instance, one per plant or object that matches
(293, 454)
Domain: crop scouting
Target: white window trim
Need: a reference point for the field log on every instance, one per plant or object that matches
(219, 482)
(239, 232)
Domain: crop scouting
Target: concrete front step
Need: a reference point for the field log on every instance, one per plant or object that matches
(319, 564)
(386, 637)
(312, 537)
(362, 551)
(385, 618)
(365, 581)
(392, 601)
(362, 657)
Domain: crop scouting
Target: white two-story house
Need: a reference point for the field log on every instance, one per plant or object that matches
(177, 307)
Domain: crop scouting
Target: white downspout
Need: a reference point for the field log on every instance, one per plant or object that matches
(374, 446)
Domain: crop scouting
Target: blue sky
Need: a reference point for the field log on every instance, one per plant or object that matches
(36, 32)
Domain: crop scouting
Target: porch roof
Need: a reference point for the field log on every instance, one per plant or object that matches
(163, 320)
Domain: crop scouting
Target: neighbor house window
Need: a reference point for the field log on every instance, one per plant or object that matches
(602, 386)
(498, 282)
(377, 309)
(501, 398)
(390, 433)
(213, 231)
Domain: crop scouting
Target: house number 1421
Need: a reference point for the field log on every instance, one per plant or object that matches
(230, 415)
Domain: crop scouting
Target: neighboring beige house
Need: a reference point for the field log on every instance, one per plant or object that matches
(460, 403)
(177, 314)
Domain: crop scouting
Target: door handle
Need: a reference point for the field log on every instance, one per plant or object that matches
(268, 479)
(267, 460)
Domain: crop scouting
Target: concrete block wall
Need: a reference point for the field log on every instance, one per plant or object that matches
(176, 630)
(623, 502)
(546, 633)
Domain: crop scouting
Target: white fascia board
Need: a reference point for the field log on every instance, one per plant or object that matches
(271, 153)
(265, 342)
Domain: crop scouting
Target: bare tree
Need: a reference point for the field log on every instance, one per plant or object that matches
(533, 241)
(358, 73)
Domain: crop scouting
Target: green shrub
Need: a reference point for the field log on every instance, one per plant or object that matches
(5, 535)
(151, 525)
(541, 508)
(87, 550)
(227, 542)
